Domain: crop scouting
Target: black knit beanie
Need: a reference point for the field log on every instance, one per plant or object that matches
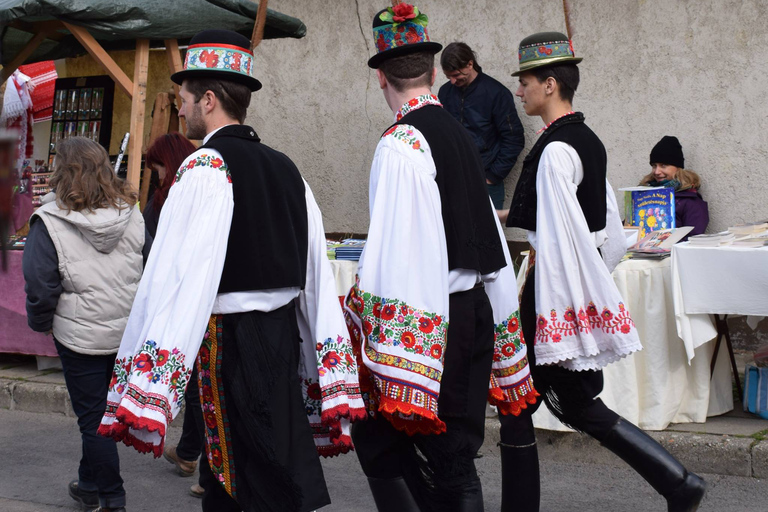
(668, 151)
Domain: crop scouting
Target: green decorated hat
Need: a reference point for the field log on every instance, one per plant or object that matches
(545, 49)
(400, 30)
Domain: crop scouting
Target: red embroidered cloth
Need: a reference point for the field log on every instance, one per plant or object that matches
(43, 75)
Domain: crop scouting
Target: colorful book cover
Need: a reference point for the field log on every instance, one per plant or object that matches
(649, 208)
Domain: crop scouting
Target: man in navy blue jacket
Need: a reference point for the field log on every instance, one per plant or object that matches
(486, 108)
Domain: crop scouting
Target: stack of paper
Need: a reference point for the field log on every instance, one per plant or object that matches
(752, 241)
(713, 240)
(749, 229)
(349, 249)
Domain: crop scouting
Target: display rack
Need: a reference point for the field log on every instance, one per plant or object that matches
(82, 107)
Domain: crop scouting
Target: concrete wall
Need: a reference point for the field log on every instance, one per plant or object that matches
(694, 69)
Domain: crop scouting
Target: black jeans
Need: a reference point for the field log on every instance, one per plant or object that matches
(192, 431)
(574, 393)
(87, 379)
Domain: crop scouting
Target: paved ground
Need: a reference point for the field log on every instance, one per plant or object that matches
(39, 453)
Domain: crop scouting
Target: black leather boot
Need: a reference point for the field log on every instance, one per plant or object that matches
(392, 495)
(682, 489)
(520, 484)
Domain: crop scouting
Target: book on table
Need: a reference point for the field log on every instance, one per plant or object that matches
(649, 208)
(721, 239)
(658, 244)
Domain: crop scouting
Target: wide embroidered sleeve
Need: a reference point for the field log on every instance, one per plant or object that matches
(400, 301)
(328, 369)
(172, 306)
(511, 388)
(582, 322)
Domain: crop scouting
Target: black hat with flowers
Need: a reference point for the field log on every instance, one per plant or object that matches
(400, 30)
(221, 54)
(545, 49)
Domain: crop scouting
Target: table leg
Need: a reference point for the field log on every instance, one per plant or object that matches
(724, 332)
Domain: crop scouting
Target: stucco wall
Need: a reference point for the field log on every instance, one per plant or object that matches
(694, 69)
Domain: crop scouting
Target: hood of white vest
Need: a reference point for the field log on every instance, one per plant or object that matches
(103, 227)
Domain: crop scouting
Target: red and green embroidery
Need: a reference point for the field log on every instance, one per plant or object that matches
(218, 439)
(416, 103)
(572, 323)
(204, 160)
(163, 366)
(392, 322)
(405, 133)
(508, 338)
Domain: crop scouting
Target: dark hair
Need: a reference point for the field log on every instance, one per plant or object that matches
(409, 71)
(567, 75)
(457, 55)
(84, 179)
(168, 150)
(234, 97)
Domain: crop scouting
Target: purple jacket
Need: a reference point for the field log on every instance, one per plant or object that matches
(691, 210)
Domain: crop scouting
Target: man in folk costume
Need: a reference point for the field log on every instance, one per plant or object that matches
(572, 314)
(435, 256)
(239, 263)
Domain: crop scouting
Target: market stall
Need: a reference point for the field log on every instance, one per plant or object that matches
(34, 31)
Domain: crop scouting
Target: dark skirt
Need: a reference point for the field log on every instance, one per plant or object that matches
(258, 439)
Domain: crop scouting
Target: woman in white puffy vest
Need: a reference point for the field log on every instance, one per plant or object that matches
(82, 265)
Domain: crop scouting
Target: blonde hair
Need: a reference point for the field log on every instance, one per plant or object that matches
(686, 177)
(84, 180)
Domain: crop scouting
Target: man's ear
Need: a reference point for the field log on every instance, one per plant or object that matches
(208, 101)
(382, 79)
(551, 85)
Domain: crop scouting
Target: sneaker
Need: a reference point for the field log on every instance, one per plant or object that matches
(87, 499)
(183, 467)
(196, 491)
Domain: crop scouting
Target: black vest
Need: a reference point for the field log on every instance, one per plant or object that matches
(590, 192)
(267, 246)
(470, 231)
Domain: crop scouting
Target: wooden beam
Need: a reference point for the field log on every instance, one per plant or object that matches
(100, 55)
(258, 26)
(138, 107)
(23, 55)
(175, 65)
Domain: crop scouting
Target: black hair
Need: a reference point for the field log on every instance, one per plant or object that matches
(566, 75)
(457, 55)
(409, 71)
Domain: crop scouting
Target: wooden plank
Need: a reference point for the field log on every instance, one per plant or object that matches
(161, 120)
(138, 107)
(258, 26)
(175, 65)
(102, 57)
(23, 55)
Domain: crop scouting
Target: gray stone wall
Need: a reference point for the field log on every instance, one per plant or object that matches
(694, 69)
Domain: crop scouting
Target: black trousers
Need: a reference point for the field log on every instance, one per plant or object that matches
(87, 378)
(446, 466)
(192, 441)
(568, 394)
(277, 467)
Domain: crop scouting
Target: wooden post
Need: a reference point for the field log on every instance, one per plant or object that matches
(138, 106)
(175, 65)
(23, 55)
(101, 56)
(258, 26)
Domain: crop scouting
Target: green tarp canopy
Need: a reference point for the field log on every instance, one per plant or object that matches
(117, 24)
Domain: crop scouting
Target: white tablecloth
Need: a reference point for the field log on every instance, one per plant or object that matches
(657, 386)
(718, 280)
(344, 272)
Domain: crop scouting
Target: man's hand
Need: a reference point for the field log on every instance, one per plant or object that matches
(503, 214)
(489, 182)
